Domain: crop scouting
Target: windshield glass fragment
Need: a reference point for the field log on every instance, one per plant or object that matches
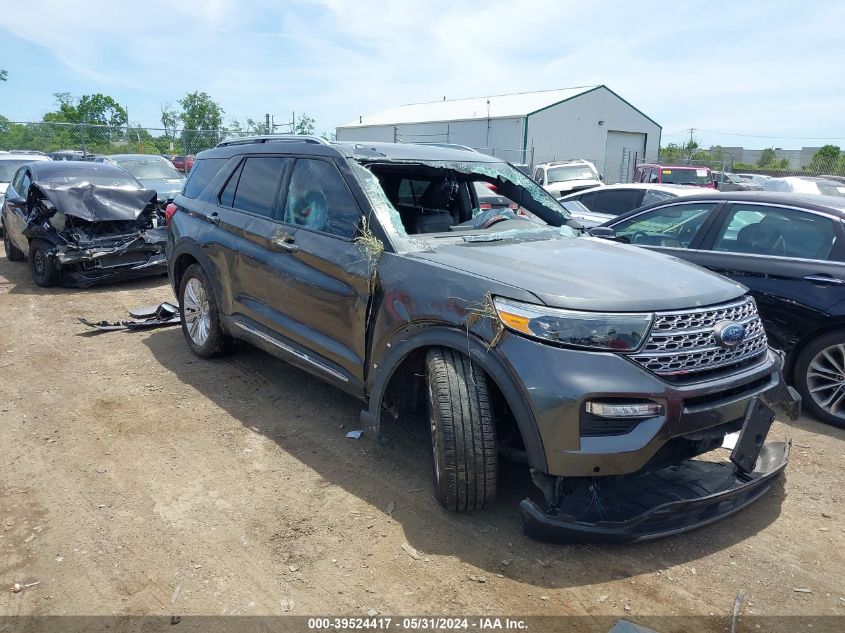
(473, 201)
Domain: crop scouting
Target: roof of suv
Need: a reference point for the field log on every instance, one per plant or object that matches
(356, 150)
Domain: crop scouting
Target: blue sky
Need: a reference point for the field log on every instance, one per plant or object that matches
(763, 69)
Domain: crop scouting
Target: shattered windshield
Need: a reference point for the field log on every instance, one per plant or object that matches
(435, 200)
(150, 169)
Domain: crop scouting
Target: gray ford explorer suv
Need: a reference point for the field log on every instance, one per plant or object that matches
(606, 368)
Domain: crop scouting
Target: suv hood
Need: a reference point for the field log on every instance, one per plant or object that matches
(591, 274)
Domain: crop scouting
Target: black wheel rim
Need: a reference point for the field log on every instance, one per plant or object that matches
(38, 261)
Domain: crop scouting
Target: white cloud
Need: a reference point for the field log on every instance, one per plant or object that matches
(753, 68)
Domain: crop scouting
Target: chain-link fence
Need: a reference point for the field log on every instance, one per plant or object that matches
(85, 141)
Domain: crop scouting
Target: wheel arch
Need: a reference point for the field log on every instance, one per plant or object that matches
(828, 326)
(183, 256)
(407, 350)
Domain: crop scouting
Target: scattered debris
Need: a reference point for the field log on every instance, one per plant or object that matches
(175, 619)
(475, 578)
(601, 599)
(628, 607)
(17, 588)
(390, 508)
(355, 434)
(544, 598)
(802, 589)
(287, 603)
(411, 551)
(826, 515)
(372, 612)
(506, 563)
(166, 314)
(740, 597)
(29, 538)
(59, 559)
(293, 567)
(175, 594)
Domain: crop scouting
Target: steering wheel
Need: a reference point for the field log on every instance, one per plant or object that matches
(636, 238)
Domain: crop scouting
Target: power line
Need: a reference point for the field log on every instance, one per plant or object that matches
(769, 136)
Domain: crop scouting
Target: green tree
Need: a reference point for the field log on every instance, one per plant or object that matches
(767, 157)
(4, 74)
(304, 125)
(169, 119)
(66, 111)
(826, 160)
(202, 119)
(101, 109)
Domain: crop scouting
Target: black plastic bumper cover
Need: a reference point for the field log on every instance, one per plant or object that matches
(649, 506)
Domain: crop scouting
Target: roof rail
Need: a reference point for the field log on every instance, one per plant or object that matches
(273, 138)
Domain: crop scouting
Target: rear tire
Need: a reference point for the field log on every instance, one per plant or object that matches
(45, 272)
(463, 431)
(13, 253)
(819, 376)
(200, 318)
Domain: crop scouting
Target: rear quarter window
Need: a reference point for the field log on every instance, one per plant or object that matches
(204, 170)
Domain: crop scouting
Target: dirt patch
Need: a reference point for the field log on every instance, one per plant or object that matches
(146, 469)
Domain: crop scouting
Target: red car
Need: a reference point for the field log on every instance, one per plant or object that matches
(183, 164)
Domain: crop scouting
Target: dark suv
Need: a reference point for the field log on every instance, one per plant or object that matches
(605, 367)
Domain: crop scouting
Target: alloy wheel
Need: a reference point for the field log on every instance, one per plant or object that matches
(826, 379)
(197, 313)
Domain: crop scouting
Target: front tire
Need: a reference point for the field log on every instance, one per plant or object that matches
(42, 266)
(463, 431)
(200, 318)
(819, 376)
(13, 253)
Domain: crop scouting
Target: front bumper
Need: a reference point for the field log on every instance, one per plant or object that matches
(130, 259)
(557, 383)
(653, 505)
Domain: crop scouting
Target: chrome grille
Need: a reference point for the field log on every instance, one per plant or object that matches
(682, 342)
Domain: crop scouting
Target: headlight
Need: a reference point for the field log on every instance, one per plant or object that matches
(622, 332)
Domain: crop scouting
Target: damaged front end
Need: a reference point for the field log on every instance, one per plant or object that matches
(655, 503)
(98, 233)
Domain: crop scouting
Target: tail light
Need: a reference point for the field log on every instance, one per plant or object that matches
(169, 210)
(490, 186)
(484, 206)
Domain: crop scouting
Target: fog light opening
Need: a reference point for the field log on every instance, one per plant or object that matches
(624, 410)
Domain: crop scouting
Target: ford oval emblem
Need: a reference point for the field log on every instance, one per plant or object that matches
(728, 334)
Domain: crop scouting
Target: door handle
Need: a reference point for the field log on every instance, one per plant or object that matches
(825, 280)
(213, 217)
(284, 241)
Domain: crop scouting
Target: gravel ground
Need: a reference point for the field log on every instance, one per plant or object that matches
(137, 479)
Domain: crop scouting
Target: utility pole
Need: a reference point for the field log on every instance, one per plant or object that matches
(267, 123)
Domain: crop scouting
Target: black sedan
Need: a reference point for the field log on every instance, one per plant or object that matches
(789, 249)
(81, 223)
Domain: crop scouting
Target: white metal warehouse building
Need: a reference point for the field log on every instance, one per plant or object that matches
(589, 122)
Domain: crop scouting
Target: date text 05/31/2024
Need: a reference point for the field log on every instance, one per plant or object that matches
(419, 624)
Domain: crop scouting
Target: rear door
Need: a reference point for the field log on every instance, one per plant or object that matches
(792, 260)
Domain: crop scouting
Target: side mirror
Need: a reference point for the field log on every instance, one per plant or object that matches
(601, 176)
(15, 199)
(604, 232)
